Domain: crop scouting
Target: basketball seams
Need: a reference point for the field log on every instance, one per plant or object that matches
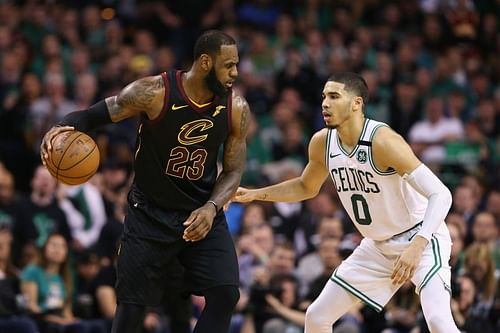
(64, 153)
(51, 167)
(75, 181)
(60, 159)
(77, 177)
(80, 161)
(71, 179)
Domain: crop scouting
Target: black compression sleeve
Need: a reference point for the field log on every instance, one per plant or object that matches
(95, 116)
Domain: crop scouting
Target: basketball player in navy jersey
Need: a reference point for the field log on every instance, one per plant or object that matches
(175, 202)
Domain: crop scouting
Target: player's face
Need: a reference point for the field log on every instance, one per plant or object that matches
(223, 73)
(336, 104)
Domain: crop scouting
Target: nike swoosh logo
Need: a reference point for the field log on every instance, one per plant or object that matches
(174, 107)
(332, 155)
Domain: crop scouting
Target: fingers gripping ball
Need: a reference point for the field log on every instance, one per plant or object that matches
(74, 157)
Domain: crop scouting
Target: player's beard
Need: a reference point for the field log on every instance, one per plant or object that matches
(214, 84)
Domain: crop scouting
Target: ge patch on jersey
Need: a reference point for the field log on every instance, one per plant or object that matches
(361, 156)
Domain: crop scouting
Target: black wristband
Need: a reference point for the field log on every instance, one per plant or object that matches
(95, 116)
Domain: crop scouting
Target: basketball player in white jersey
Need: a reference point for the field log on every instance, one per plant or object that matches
(395, 201)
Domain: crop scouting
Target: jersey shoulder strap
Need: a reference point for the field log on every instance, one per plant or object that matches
(371, 128)
(367, 139)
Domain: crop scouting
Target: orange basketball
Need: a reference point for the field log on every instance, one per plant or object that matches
(74, 157)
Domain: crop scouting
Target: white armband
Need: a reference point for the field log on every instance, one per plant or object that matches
(428, 184)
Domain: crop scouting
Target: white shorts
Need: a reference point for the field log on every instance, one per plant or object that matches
(366, 273)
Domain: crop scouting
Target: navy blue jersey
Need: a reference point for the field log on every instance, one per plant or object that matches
(176, 153)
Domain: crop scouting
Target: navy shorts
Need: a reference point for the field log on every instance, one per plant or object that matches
(154, 259)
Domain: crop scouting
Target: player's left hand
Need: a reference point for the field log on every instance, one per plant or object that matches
(199, 223)
(46, 145)
(406, 265)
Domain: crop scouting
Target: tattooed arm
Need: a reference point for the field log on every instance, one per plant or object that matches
(200, 221)
(144, 95)
(235, 151)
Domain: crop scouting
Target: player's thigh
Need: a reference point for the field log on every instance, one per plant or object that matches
(142, 275)
(435, 261)
(366, 274)
(211, 261)
(144, 263)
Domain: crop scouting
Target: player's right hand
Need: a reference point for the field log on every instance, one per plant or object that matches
(243, 195)
(199, 223)
(46, 145)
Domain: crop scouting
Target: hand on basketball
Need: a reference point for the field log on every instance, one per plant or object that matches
(199, 223)
(46, 145)
(406, 265)
(243, 195)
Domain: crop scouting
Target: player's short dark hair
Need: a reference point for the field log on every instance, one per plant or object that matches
(210, 43)
(353, 83)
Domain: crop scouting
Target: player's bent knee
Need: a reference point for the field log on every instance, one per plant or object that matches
(233, 295)
(316, 319)
(224, 296)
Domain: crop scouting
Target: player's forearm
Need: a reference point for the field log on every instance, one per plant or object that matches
(437, 208)
(225, 187)
(288, 191)
(86, 120)
(438, 196)
(235, 152)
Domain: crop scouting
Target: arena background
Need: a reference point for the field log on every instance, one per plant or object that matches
(432, 67)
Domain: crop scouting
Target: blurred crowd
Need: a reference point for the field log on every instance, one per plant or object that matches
(432, 67)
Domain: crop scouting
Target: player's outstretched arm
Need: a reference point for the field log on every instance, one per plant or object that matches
(301, 188)
(144, 95)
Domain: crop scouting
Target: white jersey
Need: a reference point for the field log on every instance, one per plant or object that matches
(380, 203)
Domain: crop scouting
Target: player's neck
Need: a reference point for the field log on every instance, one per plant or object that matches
(195, 87)
(350, 131)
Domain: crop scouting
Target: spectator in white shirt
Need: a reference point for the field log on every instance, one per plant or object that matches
(428, 137)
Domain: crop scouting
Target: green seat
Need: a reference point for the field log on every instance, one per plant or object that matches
(462, 152)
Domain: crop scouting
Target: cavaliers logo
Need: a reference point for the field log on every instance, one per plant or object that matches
(361, 156)
(186, 135)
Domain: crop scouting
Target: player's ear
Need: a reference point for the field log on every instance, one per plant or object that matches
(206, 62)
(357, 103)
